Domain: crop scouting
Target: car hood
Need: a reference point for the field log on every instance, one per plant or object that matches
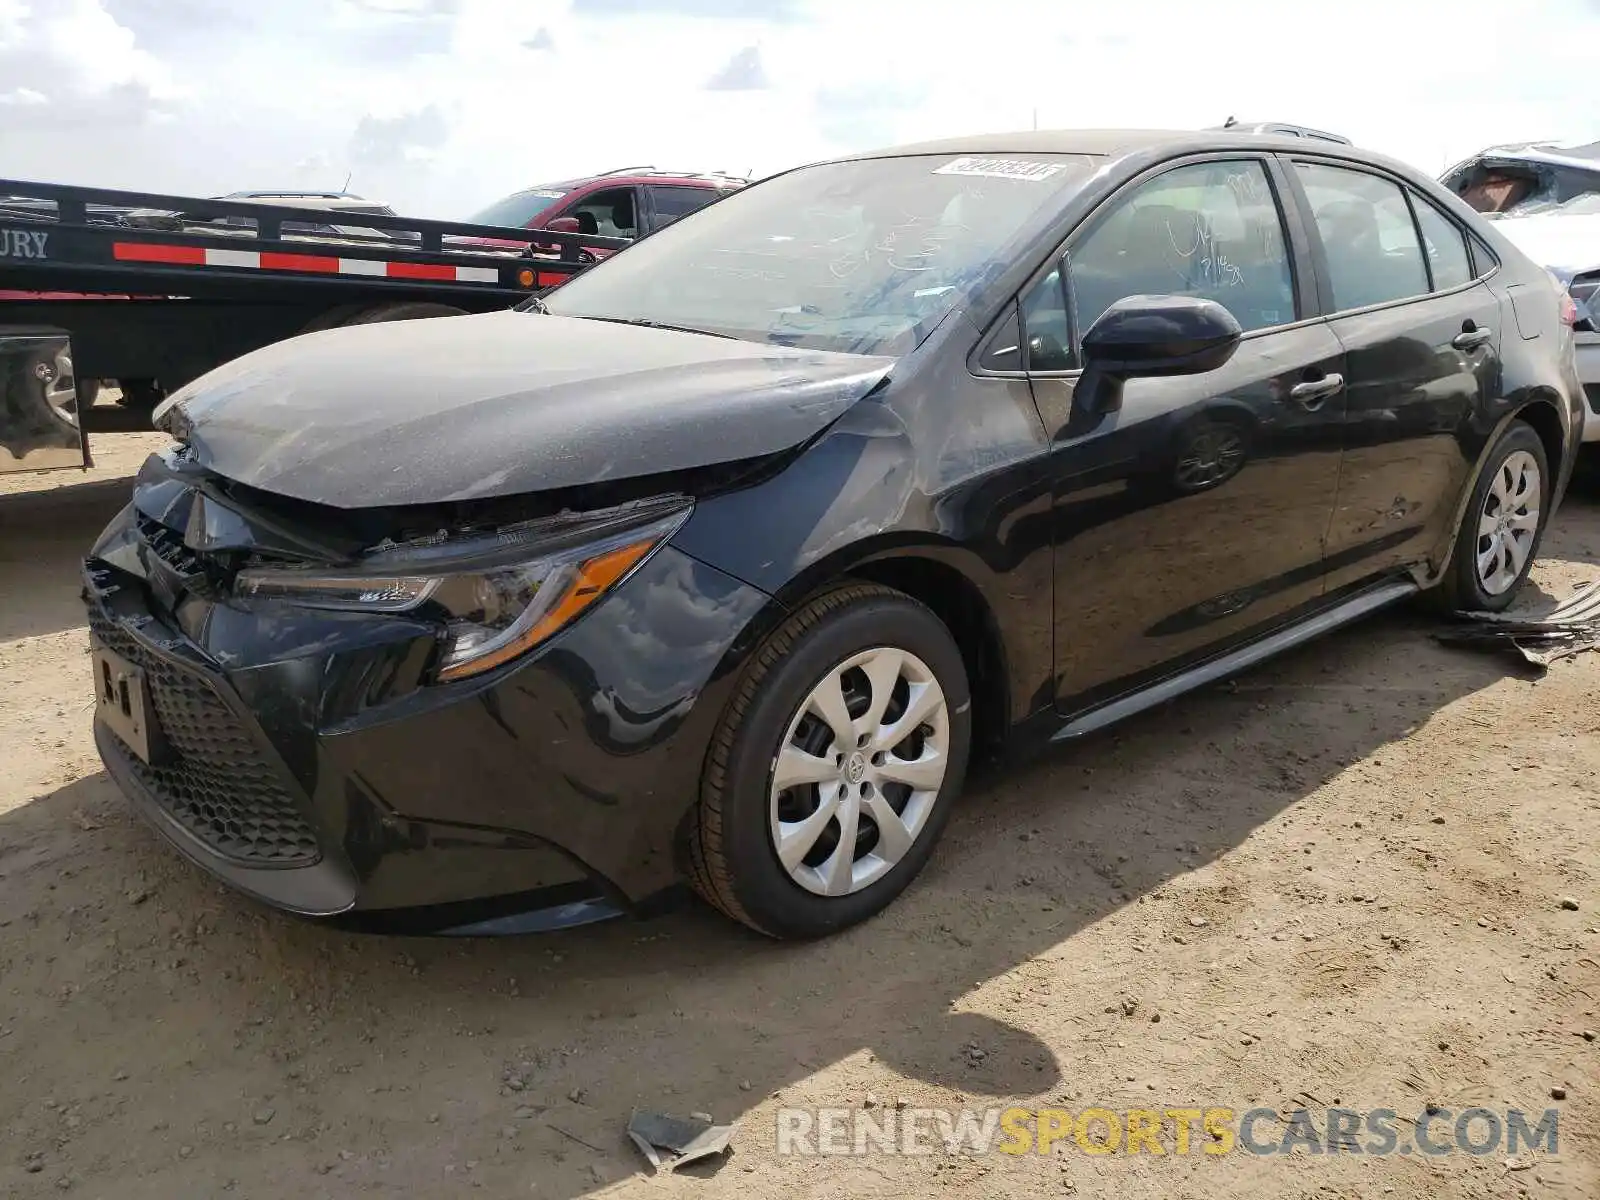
(1566, 243)
(467, 408)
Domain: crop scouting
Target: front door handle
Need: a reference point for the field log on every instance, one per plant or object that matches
(1471, 339)
(1311, 394)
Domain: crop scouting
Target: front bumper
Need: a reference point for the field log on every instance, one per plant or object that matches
(309, 766)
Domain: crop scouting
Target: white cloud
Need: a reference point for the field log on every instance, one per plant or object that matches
(439, 106)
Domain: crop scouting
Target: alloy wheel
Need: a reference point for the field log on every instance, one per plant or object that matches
(1508, 522)
(57, 386)
(859, 769)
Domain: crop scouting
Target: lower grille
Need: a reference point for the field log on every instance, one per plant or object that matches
(217, 783)
(1591, 392)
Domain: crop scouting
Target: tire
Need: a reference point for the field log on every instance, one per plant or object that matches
(1586, 476)
(402, 312)
(733, 860)
(1464, 588)
(141, 395)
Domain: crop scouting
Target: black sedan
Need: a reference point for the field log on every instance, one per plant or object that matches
(723, 560)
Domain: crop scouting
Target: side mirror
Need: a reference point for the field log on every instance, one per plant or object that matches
(1149, 336)
(564, 225)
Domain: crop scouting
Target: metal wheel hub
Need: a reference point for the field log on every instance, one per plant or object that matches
(1508, 522)
(57, 387)
(859, 769)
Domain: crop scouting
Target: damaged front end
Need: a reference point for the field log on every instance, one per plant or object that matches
(401, 716)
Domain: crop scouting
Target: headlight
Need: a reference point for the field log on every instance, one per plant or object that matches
(500, 594)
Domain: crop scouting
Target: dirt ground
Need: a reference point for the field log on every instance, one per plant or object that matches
(1338, 880)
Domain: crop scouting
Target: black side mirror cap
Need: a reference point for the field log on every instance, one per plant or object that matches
(1151, 336)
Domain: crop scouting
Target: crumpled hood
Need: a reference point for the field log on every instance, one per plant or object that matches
(1566, 243)
(465, 408)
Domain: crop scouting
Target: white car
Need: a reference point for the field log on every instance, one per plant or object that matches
(1545, 197)
(1566, 239)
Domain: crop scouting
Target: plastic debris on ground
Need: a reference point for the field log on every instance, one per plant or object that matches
(671, 1142)
(1569, 628)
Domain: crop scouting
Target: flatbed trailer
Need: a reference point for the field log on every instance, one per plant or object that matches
(88, 299)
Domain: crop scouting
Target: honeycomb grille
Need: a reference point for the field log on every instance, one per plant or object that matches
(216, 782)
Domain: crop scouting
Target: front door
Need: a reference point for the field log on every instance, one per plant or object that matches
(609, 212)
(1421, 336)
(1192, 518)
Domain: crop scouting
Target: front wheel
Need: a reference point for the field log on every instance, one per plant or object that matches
(833, 770)
(1502, 526)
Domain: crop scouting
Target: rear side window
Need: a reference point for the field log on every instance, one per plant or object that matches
(674, 202)
(1445, 245)
(1367, 231)
(1484, 260)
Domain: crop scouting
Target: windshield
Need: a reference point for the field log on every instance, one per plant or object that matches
(517, 210)
(863, 256)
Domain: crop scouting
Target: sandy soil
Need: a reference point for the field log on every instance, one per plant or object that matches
(1337, 880)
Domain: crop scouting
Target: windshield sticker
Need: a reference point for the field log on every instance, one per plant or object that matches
(1000, 168)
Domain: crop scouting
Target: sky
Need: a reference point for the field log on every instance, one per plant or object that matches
(441, 106)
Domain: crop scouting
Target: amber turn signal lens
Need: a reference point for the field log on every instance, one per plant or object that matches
(525, 277)
(588, 584)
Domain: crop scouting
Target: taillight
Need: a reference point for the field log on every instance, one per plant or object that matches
(1569, 310)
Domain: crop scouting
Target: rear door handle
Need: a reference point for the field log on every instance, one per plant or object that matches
(1313, 392)
(1471, 339)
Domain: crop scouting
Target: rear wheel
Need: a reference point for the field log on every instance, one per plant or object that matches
(1502, 527)
(832, 773)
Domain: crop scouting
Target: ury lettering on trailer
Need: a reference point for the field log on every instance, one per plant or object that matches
(24, 243)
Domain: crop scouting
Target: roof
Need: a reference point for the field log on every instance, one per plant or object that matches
(1106, 143)
(622, 178)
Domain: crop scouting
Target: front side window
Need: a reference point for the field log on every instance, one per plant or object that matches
(1211, 230)
(608, 213)
(866, 256)
(1367, 231)
(1445, 244)
(1046, 330)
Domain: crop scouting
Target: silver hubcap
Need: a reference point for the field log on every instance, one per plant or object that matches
(1508, 523)
(56, 382)
(860, 767)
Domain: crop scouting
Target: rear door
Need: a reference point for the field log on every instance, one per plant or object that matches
(1191, 519)
(1421, 333)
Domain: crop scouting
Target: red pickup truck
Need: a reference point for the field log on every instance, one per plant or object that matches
(626, 203)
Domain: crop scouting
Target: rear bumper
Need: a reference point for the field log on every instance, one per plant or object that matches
(1588, 356)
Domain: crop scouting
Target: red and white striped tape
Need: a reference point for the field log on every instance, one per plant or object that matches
(322, 264)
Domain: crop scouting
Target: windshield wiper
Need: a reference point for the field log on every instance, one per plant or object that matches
(647, 323)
